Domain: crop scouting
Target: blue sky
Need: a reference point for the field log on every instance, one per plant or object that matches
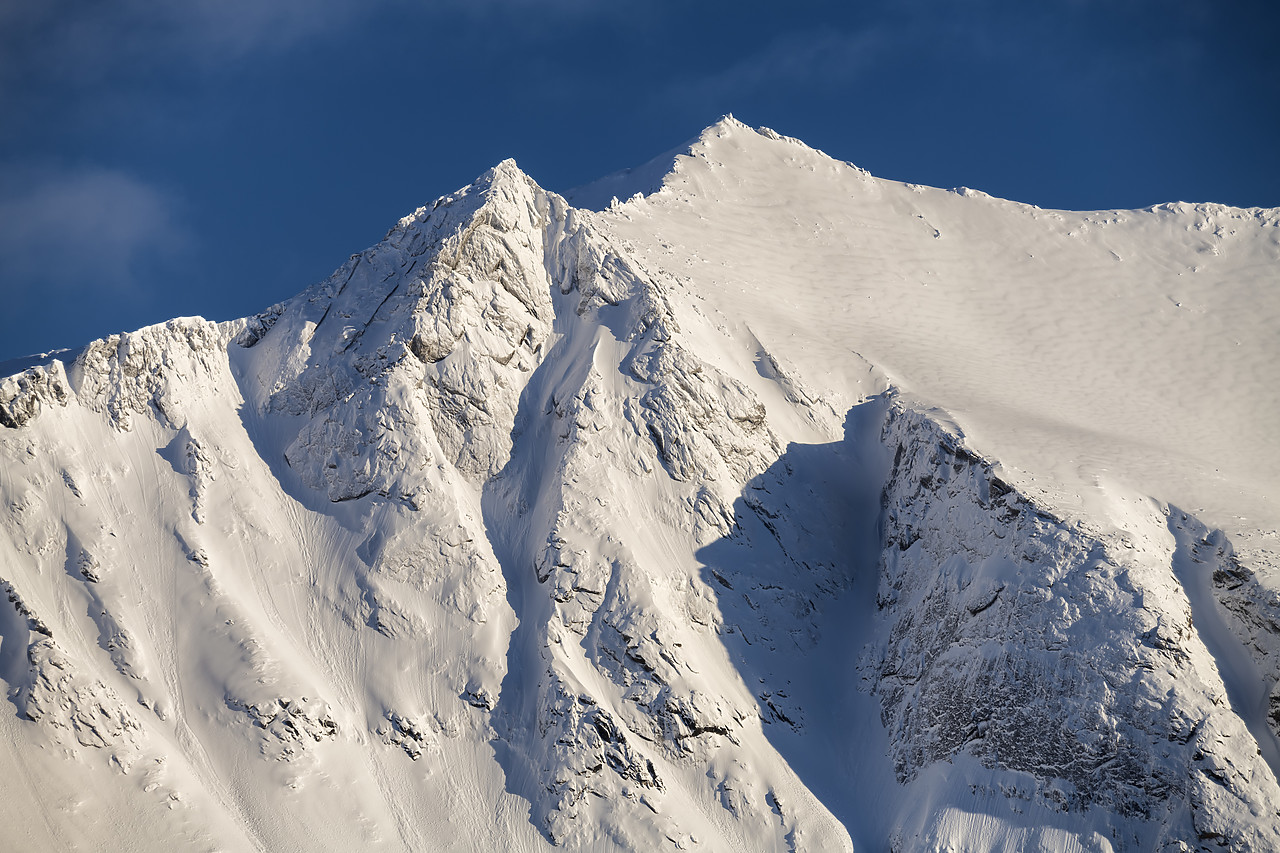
(175, 157)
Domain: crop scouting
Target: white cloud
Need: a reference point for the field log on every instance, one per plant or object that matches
(71, 230)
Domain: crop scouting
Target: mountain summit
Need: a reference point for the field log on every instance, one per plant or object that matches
(740, 501)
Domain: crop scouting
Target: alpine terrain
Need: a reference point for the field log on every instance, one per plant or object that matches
(741, 501)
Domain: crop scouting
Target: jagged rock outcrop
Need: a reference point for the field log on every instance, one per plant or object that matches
(23, 396)
(288, 725)
(425, 339)
(71, 706)
(145, 372)
(1047, 648)
(1251, 611)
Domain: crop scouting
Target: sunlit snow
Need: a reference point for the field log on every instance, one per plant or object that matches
(740, 501)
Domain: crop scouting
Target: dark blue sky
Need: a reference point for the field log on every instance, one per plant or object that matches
(174, 157)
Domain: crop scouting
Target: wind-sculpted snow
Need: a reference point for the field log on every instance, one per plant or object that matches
(516, 532)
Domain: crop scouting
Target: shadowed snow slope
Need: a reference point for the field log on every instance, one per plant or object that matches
(778, 507)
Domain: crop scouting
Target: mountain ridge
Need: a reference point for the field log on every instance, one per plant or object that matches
(513, 514)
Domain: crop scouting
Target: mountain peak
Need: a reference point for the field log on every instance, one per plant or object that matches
(650, 176)
(725, 125)
(613, 532)
(505, 172)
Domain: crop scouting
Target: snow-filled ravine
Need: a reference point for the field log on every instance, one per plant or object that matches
(740, 501)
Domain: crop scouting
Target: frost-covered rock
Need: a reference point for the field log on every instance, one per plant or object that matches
(438, 325)
(700, 419)
(1042, 647)
(23, 396)
(288, 725)
(381, 442)
(74, 707)
(28, 618)
(1251, 611)
(151, 371)
(414, 735)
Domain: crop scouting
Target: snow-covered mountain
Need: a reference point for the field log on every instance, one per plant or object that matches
(774, 507)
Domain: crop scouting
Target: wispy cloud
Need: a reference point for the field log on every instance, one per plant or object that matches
(69, 231)
(74, 41)
(82, 40)
(811, 58)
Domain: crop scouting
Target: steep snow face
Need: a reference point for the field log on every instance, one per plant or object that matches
(534, 526)
(1131, 346)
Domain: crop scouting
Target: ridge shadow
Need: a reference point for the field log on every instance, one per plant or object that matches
(796, 583)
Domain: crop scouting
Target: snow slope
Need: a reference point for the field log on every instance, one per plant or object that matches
(777, 507)
(1140, 344)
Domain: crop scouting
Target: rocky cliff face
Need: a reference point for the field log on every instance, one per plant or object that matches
(481, 542)
(1062, 652)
